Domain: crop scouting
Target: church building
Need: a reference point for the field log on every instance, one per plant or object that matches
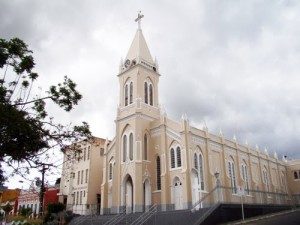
(155, 160)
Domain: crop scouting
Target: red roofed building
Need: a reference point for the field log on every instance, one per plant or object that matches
(50, 196)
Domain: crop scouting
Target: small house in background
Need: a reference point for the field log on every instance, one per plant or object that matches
(30, 199)
(10, 196)
(50, 196)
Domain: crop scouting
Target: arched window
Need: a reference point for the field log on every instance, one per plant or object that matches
(146, 92)
(201, 177)
(283, 182)
(131, 146)
(245, 177)
(151, 94)
(178, 154)
(296, 175)
(172, 158)
(110, 173)
(266, 179)
(130, 93)
(124, 147)
(196, 161)
(158, 178)
(231, 172)
(126, 95)
(145, 147)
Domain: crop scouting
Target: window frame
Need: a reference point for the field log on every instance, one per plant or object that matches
(145, 152)
(232, 175)
(131, 146)
(177, 157)
(158, 173)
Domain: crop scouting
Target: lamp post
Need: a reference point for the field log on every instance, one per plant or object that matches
(218, 184)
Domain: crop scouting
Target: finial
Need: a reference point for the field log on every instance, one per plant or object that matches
(163, 110)
(205, 126)
(156, 64)
(138, 19)
(220, 132)
(234, 137)
(184, 116)
(121, 65)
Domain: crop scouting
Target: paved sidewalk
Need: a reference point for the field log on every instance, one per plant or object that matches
(291, 217)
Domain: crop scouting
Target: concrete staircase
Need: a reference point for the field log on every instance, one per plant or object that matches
(180, 217)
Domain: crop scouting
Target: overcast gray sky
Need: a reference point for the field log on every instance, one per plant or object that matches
(233, 64)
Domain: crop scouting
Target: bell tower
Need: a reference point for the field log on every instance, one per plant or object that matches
(138, 108)
(138, 74)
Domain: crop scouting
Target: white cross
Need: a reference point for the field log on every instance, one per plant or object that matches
(138, 19)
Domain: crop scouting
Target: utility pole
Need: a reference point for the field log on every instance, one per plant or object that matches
(45, 166)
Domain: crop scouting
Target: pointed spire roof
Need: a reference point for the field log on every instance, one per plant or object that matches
(139, 49)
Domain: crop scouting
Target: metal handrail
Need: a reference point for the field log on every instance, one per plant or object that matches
(79, 220)
(146, 215)
(207, 213)
(203, 198)
(115, 219)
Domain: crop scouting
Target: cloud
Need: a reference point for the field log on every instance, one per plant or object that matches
(233, 64)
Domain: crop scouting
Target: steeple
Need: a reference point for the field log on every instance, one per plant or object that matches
(138, 50)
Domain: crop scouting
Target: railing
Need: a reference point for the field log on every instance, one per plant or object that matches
(78, 220)
(146, 215)
(117, 218)
(221, 194)
(231, 195)
(200, 201)
(84, 209)
(207, 213)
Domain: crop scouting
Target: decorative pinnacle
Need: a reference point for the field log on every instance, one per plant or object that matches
(138, 19)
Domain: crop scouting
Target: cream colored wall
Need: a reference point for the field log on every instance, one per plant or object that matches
(163, 132)
(293, 184)
(95, 173)
(71, 165)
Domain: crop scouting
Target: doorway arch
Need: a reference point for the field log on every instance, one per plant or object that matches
(147, 195)
(128, 194)
(177, 194)
(195, 188)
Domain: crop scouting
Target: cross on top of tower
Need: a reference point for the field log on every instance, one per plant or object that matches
(138, 19)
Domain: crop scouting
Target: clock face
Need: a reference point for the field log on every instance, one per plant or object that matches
(127, 63)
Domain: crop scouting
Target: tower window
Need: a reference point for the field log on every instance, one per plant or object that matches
(178, 152)
(131, 146)
(130, 93)
(126, 95)
(175, 157)
(196, 161)
(145, 146)
(86, 175)
(296, 175)
(151, 94)
(172, 158)
(124, 147)
(146, 92)
(158, 178)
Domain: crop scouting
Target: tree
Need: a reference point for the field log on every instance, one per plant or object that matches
(26, 129)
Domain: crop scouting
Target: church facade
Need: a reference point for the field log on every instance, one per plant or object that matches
(155, 160)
